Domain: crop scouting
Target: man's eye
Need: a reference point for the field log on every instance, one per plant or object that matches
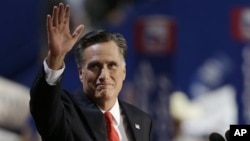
(94, 66)
(112, 65)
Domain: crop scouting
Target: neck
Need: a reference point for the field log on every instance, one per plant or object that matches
(106, 105)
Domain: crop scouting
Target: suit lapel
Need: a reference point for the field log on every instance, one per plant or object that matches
(96, 123)
(133, 121)
(92, 115)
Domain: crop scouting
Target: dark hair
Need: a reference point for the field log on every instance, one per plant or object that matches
(98, 36)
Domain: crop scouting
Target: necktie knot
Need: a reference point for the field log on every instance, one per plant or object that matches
(108, 117)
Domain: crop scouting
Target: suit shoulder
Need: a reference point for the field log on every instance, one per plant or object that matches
(133, 109)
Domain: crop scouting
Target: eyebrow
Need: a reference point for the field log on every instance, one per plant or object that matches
(99, 63)
(113, 62)
(94, 63)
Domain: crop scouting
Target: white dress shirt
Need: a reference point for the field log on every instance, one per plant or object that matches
(53, 76)
(118, 121)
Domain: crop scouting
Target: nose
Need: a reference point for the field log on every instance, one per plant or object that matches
(103, 74)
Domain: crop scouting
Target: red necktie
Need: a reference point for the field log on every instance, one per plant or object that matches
(111, 131)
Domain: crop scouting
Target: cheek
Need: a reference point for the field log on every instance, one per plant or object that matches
(120, 77)
(89, 78)
(122, 74)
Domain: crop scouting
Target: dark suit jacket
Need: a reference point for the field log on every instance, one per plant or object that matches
(60, 116)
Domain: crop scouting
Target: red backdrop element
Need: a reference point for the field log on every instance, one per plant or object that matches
(240, 23)
(155, 35)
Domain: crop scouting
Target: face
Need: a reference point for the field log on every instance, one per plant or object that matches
(103, 71)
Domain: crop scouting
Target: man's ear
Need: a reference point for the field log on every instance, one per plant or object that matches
(124, 71)
(80, 73)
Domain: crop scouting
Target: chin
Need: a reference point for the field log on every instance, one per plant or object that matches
(104, 94)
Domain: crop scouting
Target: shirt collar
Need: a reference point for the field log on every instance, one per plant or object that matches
(115, 111)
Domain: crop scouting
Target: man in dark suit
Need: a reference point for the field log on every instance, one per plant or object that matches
(100, 57)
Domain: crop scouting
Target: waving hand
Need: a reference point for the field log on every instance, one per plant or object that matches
(60, 39)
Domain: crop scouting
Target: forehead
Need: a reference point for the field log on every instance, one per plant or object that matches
(104, 51)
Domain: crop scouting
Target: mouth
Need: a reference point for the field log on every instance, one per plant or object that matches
(102, 86)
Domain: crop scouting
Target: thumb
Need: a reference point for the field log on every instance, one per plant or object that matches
(78, 31)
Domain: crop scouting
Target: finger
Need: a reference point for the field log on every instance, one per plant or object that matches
(55, 16)
(61, 13)
(67, 14)
(49, 23)
(78, 31)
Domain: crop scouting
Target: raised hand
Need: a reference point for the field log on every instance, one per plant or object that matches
(60, 39)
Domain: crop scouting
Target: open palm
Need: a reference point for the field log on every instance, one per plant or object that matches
(60, 39)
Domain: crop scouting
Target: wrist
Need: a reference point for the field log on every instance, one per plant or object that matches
(55, 62)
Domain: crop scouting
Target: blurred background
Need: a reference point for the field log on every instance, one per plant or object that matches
(188, 62)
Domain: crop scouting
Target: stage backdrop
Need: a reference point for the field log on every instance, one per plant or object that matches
(196, 48)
